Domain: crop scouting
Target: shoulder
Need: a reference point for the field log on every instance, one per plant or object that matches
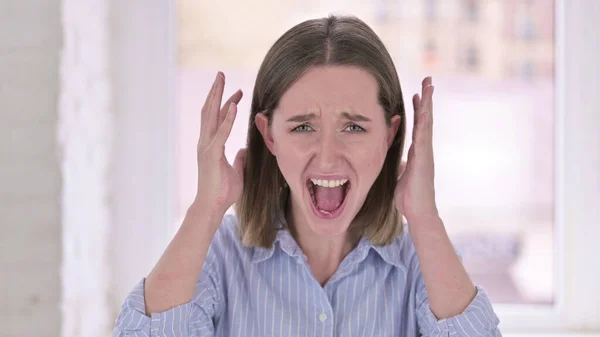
(400, 252)
(226, 243)
(405, 248)
(407, 252)
(228, 230)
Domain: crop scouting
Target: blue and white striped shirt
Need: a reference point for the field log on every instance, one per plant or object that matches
(249, 291)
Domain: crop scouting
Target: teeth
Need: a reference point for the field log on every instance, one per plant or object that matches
(329, 183)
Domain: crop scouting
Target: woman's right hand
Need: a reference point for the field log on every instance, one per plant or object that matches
(219, 183)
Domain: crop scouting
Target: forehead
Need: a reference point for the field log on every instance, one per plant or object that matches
(331, 88)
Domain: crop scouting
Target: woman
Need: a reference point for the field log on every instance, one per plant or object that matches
(317, 246)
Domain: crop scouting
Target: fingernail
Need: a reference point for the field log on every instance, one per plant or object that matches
(215, 82)
(219, 74)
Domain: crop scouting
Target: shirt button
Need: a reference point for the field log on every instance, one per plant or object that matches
(322, 317)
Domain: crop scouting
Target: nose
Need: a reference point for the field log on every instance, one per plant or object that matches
(329, 153)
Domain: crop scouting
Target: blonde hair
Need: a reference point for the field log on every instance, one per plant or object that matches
(334, 40)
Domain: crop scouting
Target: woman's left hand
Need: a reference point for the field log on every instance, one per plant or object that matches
(415, 192)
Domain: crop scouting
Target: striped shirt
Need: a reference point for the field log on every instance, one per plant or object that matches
(250, 291)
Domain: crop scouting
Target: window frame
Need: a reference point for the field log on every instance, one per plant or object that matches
(575, 295)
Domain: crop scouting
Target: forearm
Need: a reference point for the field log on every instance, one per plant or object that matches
(173, 280)
(448, 285)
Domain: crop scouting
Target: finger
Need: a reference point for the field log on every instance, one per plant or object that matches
(430, 120)
(235, 98)
(426, 81)
(427, 106)
(427, 97)
(239, 162)
(424, 85)
(424, 129)
(213, 106)
(204, 112)
(225, 128)
(430, 107)
(416, 100)
(426, 93)
(411, 154)
(401, 169)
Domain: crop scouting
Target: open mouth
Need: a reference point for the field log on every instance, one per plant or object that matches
(328, 197)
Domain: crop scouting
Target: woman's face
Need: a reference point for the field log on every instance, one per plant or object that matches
(330, 139)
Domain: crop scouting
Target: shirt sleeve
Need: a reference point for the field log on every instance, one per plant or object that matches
(195, 318)
(478, 319)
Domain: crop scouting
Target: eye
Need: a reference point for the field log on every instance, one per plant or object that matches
(355, 128)
(302, 128)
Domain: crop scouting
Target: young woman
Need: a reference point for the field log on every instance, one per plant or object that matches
(317, 246)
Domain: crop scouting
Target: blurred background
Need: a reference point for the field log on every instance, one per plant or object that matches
(493, 65)
(99, 119)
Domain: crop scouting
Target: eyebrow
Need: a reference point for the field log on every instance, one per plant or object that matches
(347, 115)
(301, 118)
(355, 117)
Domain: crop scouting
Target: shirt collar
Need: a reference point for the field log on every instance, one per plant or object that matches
(391, 253)
(283, 240)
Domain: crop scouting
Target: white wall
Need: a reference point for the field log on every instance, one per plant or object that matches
(579, 193)
(85, 156)
(30, 179)
(85, 132)
(143, 47)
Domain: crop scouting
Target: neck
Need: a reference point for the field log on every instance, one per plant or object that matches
(324, 254)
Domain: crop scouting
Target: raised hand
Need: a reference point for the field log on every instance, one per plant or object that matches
(415, 192)
(219, 184)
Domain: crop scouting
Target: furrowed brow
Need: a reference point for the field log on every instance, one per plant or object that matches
(355, 117)
(301, 118)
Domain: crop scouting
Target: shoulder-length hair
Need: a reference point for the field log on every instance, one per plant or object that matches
(334, 40)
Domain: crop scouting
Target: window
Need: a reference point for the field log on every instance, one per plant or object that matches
(471, 10)
(472, 57)
(430, 52)
(430, 10)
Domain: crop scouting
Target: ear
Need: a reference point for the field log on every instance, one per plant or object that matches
(392, 129)
(262, 124)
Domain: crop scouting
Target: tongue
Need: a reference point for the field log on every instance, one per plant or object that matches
(329, 198)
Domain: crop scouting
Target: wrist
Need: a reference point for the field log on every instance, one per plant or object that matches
(207, 208)
(425, 224)
(431, 216)
(203, 213)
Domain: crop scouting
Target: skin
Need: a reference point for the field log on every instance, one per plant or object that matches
(328, 143)
(326, 92)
